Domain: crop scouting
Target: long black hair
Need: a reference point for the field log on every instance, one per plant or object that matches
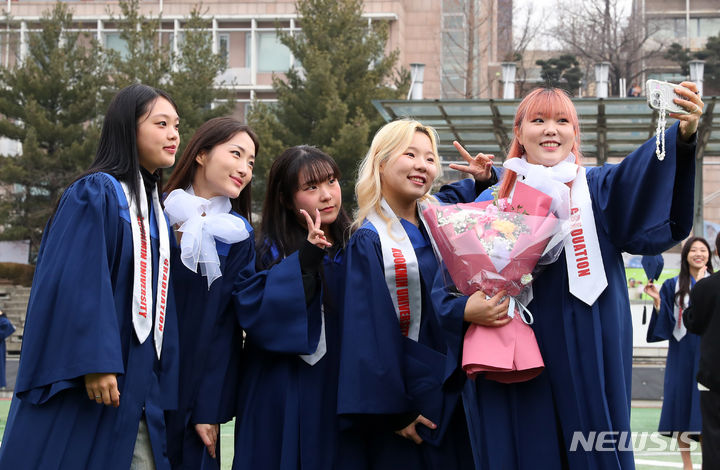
(684, 276)
(213, 132)
(281, 232)
(117, 152)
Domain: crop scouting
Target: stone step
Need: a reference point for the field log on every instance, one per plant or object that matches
(14, 304)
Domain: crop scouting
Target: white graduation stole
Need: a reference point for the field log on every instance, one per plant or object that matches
(402, 272)
(586, 271)
(142, 257)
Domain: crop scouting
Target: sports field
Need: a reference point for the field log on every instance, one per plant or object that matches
(644, 420)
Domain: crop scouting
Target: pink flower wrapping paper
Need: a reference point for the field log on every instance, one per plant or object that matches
(493, 246)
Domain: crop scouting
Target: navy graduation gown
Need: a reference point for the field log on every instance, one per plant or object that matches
(384, 374)
(642, 206)
(520, 417)
(79, 322)
(286, 416)
(681, 397)
(210, 351)
(6, 329)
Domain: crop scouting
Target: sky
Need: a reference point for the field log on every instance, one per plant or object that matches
(542, 13)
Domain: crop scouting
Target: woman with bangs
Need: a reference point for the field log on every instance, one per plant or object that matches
(580, 303)
(208, 203)
(286, 418)
(398, 393)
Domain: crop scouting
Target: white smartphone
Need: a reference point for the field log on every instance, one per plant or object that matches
(662, 93)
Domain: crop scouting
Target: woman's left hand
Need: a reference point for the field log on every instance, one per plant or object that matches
(480, 166)
(693, 104)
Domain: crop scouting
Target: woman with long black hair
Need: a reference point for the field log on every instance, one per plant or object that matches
(100, 352)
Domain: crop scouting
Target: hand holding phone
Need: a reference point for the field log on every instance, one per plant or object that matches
(661, 94)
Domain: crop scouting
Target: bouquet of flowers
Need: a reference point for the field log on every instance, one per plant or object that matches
(493, 246)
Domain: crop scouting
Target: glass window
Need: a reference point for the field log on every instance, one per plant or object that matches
(272, 56)
(708, 27)
(224, 47)
(453, 21)
(453, 6)
(661, 29)
(114, 42)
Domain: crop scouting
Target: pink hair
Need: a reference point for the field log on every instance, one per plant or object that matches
(540, 102)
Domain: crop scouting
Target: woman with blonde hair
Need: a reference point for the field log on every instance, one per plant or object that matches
(395, 390)
(576, 413)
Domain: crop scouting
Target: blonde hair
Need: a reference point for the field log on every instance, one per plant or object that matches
(387, 145)
(544, 101)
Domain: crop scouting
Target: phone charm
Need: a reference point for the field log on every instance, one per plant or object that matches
(660, 131)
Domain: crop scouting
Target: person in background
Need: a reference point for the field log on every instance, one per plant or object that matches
(6, 329)
(702, 317)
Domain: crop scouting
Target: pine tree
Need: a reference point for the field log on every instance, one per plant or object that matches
(193, 82)
(563, 72)
(710, 54)
(52, 104)
(145, 58)
(327, 100)
(189, 76)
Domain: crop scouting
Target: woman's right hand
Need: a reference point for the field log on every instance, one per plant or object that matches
(315, 235)
(652, 290)
(103, 389)
(488, 312)
(409, 431)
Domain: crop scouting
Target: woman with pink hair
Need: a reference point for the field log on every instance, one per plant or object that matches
(576, 413)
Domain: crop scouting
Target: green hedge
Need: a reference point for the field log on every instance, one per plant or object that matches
(16, 274)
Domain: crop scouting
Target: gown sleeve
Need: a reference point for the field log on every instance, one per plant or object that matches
(217, 390)
(464, 190)
(71, 327)
(662, 322)
(642, 203)
(450, 308)
(371, 359)
(270, 306)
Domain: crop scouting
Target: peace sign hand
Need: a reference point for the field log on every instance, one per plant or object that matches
(479, 166)
(315, 235)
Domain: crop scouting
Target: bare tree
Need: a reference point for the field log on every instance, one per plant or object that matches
(481, 32)
(527, 30)
(603, 31)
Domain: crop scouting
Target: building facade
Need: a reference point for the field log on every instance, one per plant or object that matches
(460, 42)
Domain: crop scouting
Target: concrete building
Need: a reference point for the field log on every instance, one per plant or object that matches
(461, 42)
(687, 22)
